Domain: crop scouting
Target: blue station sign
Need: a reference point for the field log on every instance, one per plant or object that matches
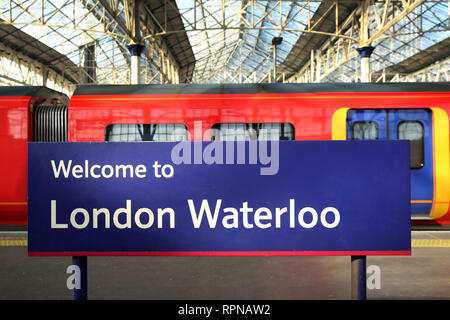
(219, 198)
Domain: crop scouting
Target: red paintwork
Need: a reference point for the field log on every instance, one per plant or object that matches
(310, 113)
(15, 131)
(222, 253)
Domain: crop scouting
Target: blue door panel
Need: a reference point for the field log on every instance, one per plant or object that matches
(421, 179)
(387, 122)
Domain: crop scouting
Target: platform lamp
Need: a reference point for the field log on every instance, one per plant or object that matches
(275, 42)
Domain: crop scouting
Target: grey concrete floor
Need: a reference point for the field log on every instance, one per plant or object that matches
(424, 275)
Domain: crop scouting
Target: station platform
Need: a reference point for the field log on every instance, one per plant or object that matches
(423, 275)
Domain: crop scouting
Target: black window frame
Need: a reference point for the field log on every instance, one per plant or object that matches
(423, 142)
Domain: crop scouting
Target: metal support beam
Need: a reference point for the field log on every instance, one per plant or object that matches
(136, 47)
(89, 66)
(276, 41)
(371, 21)
(274, 63)
(136, 24)
(437, 72)
(17, 68)
(44, 76)
(133, 22)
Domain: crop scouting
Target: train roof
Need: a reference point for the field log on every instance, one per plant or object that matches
(33, 91)
(259, 88)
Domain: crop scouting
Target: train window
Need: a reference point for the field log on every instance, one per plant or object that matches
(146, 132)
(365, 130)
(252, 131)
(414, 132)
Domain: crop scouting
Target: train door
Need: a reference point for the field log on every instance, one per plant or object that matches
(411, 124)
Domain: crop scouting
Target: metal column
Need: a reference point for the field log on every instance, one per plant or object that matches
(276, 41)
(135, 68)
(89, 66)
(135, 46)
(364, 54)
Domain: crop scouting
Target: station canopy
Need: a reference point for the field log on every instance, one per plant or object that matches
(215, 37)
(63, 40)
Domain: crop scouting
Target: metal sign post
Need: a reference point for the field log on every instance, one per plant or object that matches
(82, 292)
(358, 281)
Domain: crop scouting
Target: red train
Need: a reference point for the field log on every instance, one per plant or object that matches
(417, 112)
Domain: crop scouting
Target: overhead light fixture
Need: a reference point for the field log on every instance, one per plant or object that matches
(277, 40)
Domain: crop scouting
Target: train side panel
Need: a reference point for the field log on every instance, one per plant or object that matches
(15, 129)
(311, 114)
(17, 105)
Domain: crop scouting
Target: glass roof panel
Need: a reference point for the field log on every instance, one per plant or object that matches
(240, 48)
(426, 26)
(223, 52)
(59, 32)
